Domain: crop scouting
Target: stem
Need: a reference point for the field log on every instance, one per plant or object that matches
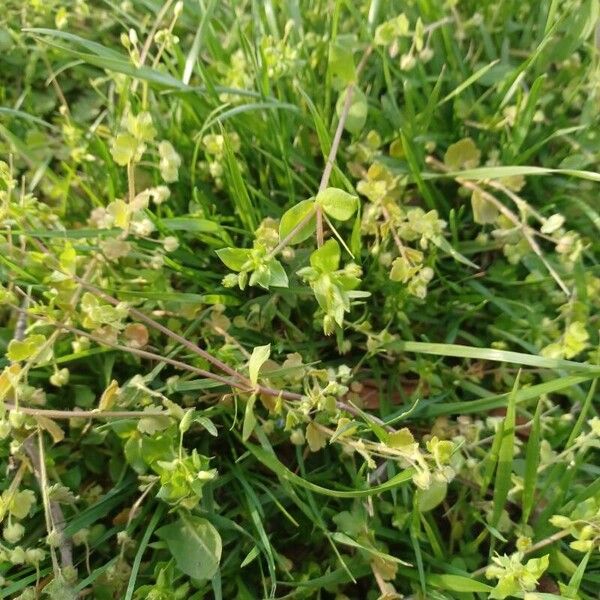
(171, 361)
(131, 181)
(83, 414)
(42, 477)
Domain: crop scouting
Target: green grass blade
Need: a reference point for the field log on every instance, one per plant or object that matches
(505, 457)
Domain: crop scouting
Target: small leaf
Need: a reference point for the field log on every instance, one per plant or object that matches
(431, 497)
(260, 355)
(337, 203)
(553, 223)
(341, 60)
(249, 418)
(19, 350)
(327, 257)
(293, 217)
(464, 154)
(315, 437)
(195, 545)
(357, 114)
(234, 258)
(109, 396)
(186, 422)
(277, 275)
(483, 210)
(124, 149)
(458, 583)
(387, 32)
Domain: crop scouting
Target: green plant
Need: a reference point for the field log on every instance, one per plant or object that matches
(299, 300)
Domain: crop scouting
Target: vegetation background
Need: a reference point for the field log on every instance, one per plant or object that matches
(299, 299)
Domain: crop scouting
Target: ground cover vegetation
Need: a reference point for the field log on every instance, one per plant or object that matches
(299, 299)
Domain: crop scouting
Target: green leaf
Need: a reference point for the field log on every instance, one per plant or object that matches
(337, 203)
(23, 349)
(431, 497)
(191, 224)
(341, 60)
(124, 149)
(517, 358)
(484, 211)
(464, 154)
(234, 258)
(249, 418)
(342, 538)
(327, 257)
(195, 545)
(260, 355)
(357, 114)
(388, 31)
(505, 456)
(532, 461)
(292, 218)
(277, 275)
(269, 460)
(458, 583)
(59, 589)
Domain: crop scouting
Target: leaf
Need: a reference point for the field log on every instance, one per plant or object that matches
(52, 427)
(532, 461)
(249, 418)
(272, 462)
(19, 350)
(59, 589)
(342, 538)
(469, 81)
(388, 31)
(189, 224)
(234, 258)
(517, 358)
(464, 154)
(293, 217)
(505, 456)
(316, 438)
(357, 113)
(458, 583)
(443, 244)
(484, 211)
(341, 60)
(277, 275)
(431, 497)
(109, 396)
(337, 203)
(195, 545)
(260, 355)
(327, 257)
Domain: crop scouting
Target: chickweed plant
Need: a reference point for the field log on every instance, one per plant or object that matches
(299, 299)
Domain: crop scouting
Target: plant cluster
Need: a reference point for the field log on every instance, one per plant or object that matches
(299, 300)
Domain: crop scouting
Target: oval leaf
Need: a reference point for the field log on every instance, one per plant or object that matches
(337, 203)
(234, 258)
(195, 545)
(260, 355)
(327, 257)
(293, 217)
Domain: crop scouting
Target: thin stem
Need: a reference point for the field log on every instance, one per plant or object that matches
(171, 361)
(43, 482)
(83, 414)
(131, 181)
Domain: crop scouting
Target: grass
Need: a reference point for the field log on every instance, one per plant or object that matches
(401, 404)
